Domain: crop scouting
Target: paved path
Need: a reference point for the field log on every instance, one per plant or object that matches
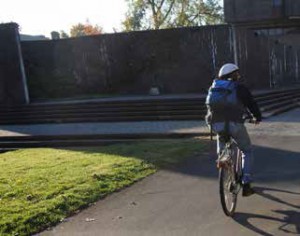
(185, 201)
(105, 128)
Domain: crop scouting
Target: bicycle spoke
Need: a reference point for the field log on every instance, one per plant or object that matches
(228, 197)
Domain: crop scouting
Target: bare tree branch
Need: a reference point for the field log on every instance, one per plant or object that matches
(161, 4)
(152, 4)
(168, 12)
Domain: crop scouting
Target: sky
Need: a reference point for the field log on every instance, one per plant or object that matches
(40, 17)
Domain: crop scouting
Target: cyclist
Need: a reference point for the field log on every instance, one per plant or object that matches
(227, 118)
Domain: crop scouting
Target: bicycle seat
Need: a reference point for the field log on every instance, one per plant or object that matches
(224, 137)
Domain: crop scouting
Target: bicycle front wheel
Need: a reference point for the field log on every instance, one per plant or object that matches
(227, 186)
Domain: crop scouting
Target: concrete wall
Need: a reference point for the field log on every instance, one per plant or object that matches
(285, 59)
(253, 58)
(272, 11)
(253, 10)
(181, 60)
(13, 88)
(269, 57)
(177, 60)
(292, 8)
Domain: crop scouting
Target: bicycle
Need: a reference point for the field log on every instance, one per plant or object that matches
(229, 164)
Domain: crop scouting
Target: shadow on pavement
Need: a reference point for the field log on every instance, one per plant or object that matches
(264, 192)
(291, 219)
(276, 165)
(270, 164)
(289, 223)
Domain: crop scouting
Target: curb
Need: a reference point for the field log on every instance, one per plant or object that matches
(15, 142)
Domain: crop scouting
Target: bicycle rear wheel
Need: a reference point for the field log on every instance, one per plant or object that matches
(227, 183)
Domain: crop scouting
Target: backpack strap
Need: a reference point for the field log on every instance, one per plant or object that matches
(223, 90)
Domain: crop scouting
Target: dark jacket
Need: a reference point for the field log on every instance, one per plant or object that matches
(246, 98)
(235, 114)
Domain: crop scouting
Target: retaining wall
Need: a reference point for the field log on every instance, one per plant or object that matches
(177, 60)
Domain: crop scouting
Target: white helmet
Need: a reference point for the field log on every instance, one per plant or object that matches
(227, 69)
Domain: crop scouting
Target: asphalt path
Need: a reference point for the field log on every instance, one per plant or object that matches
(185, 200)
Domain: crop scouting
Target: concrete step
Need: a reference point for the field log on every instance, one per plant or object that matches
(274, 106)
(261, 95)
(112, 111)
(105, 105)
(284, 97)
(277, 105)
(279, 110)
(16, 142)
(125, 103)
(128, 112)
(105, 119)
(148, 110)
(105, 115)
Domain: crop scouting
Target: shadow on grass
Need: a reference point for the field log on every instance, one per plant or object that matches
(196, 158)
(270, 164)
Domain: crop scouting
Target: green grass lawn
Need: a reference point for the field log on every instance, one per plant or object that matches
(40, 187)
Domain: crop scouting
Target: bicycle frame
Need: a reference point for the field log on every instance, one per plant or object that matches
(232, 170)
(238, 170)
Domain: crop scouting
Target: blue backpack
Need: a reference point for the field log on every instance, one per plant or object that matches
(221, 94)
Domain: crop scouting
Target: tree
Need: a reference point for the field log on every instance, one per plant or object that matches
(55, 35)
(63, 34)
(135, 14)
(157, 14)
(196, 13)
(85, 29)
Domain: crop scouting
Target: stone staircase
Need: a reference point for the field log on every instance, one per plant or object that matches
(161, 108)
(150, 109)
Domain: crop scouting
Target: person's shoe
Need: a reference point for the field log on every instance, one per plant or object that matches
(247, 190)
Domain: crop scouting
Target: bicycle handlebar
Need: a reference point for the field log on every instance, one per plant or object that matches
(250, 119)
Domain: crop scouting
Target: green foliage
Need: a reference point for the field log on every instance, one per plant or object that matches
(196, 13)
(85, 29)
(157, 14)
(40, 187)
(63, 34)
(135, 15)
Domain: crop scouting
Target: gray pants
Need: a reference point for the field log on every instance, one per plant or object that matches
(240, 135)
